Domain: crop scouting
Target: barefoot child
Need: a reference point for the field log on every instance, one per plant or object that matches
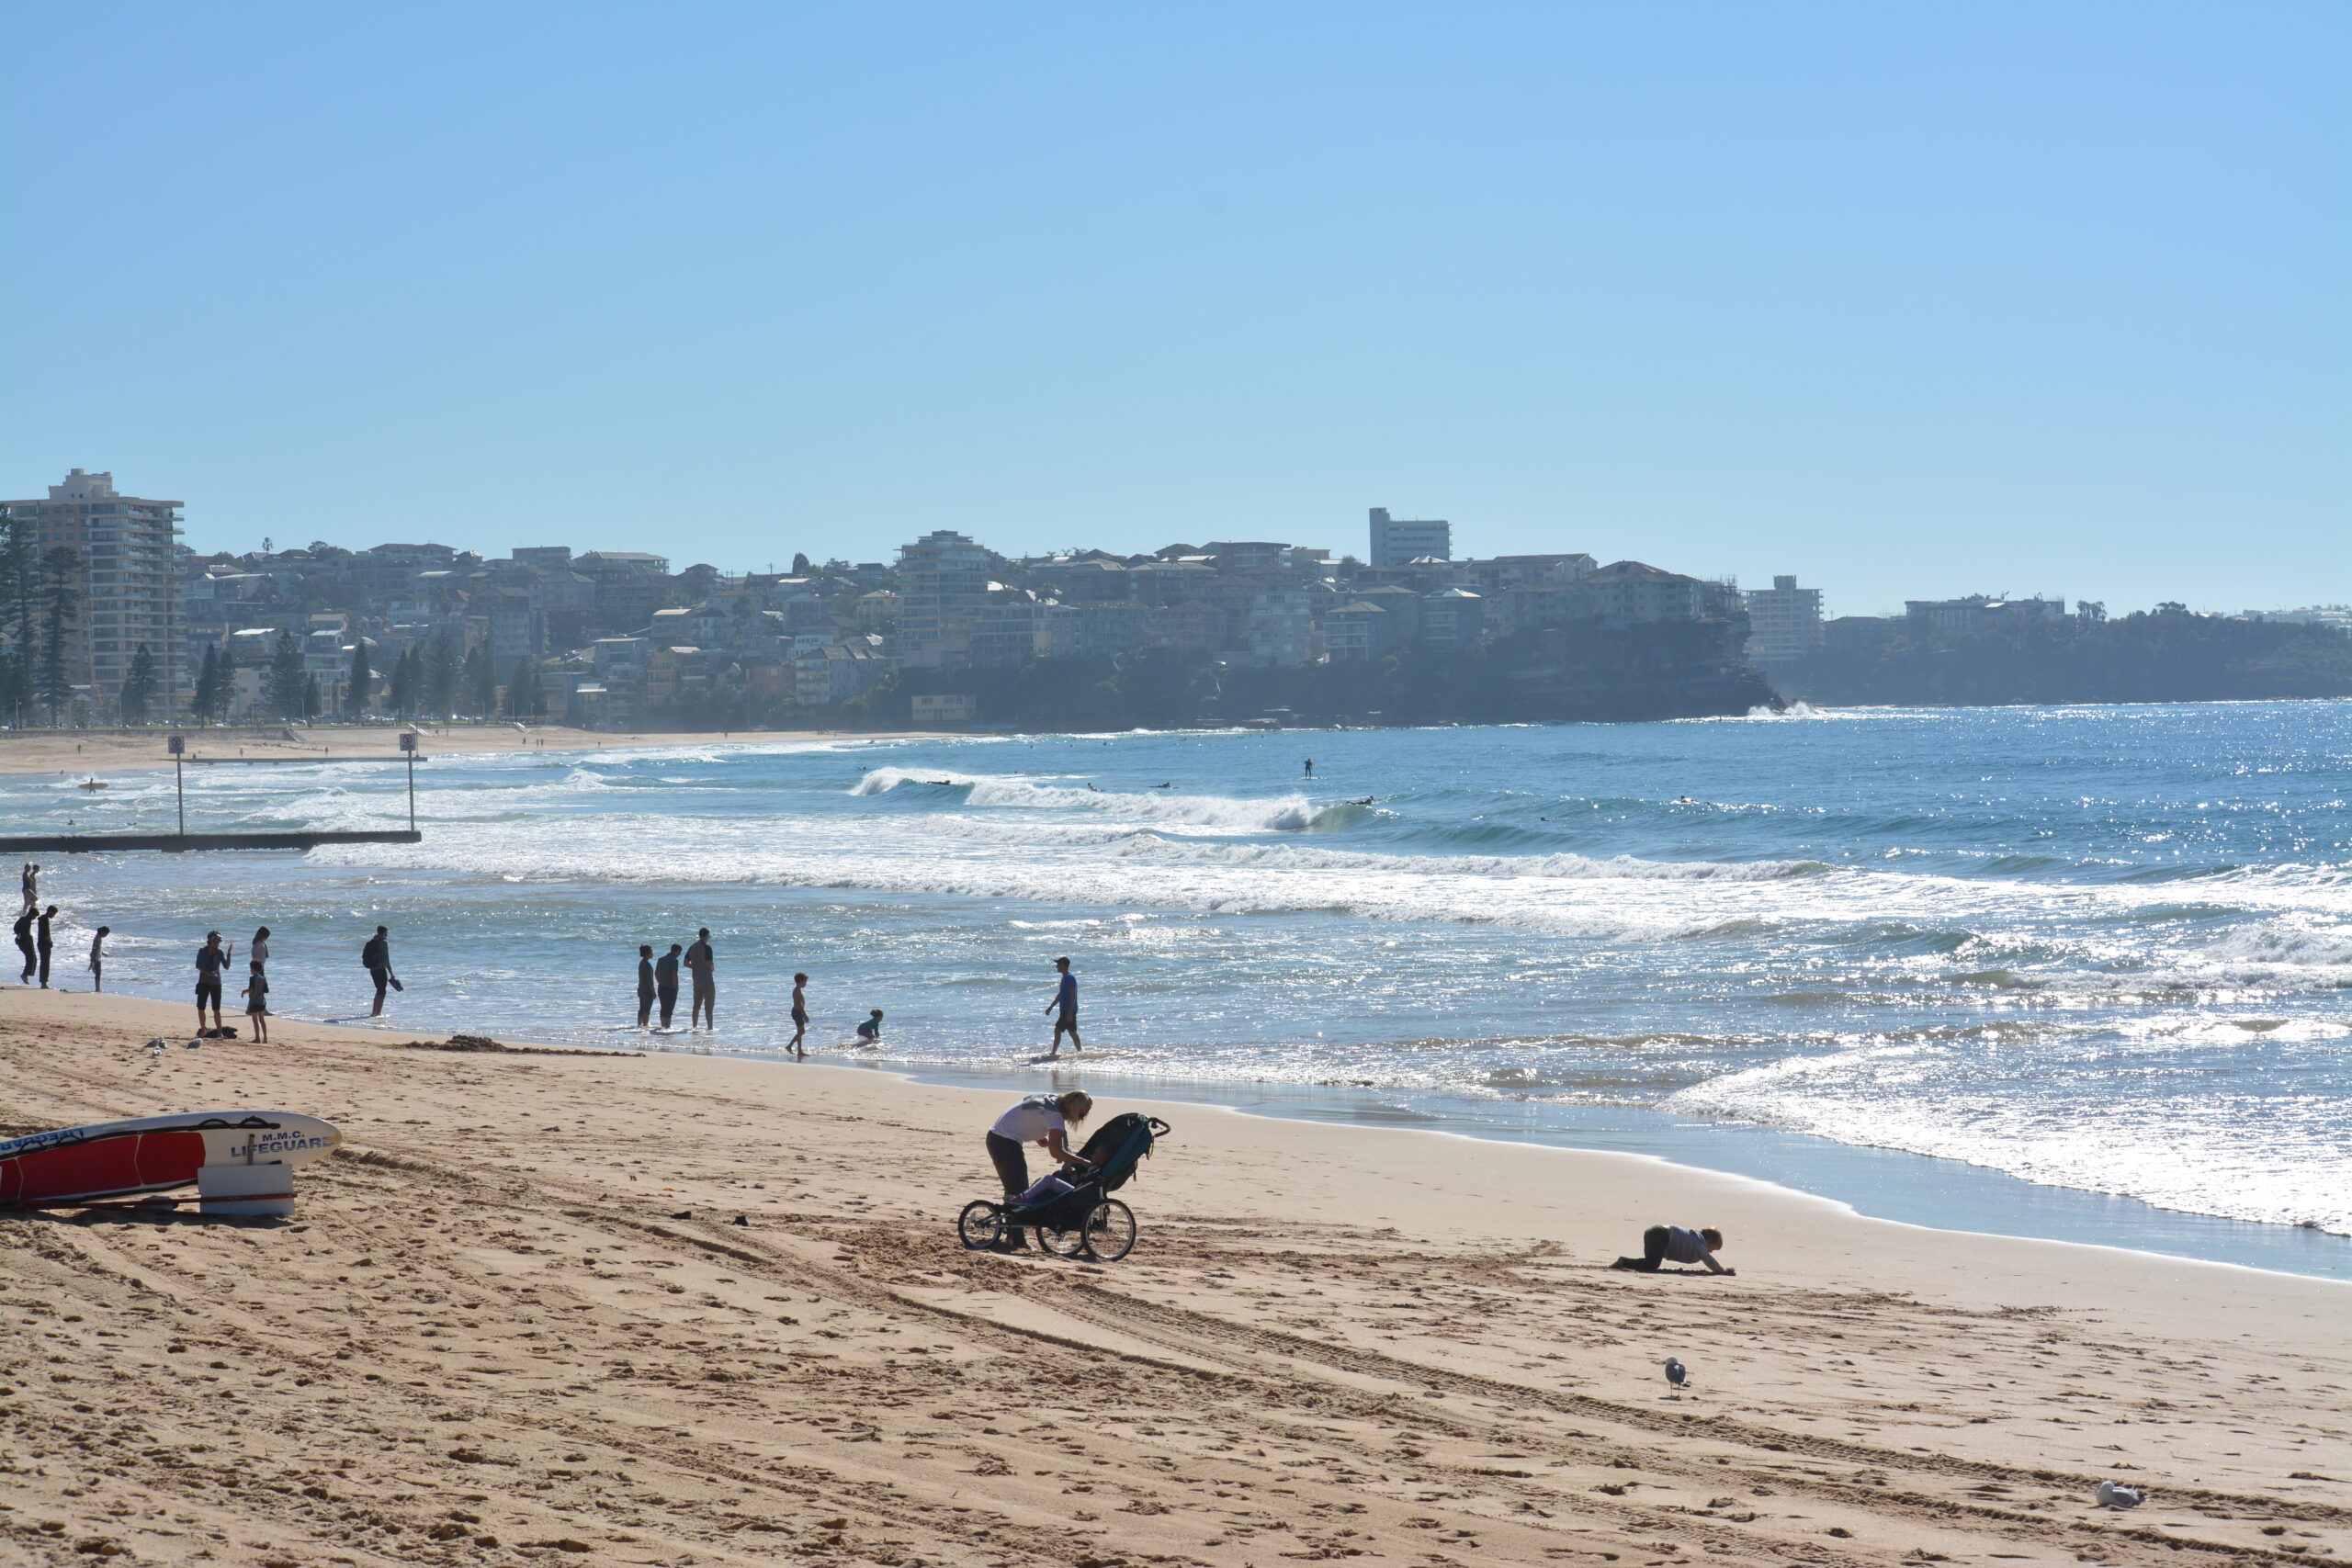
(258, 1001)
(799, 1014)
(870, 1032)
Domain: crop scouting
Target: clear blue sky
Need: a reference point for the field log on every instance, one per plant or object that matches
(1909, 298)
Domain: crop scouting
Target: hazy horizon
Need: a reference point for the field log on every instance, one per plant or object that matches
(1908, 302)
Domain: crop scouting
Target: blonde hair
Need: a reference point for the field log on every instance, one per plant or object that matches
(1077, 1105)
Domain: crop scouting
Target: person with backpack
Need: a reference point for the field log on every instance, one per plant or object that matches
(376, 959)
(1043, 1120)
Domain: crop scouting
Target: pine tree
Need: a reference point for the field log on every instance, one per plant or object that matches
(286, 678)
(521, 688)
(208, 681)
(478, 681)
(61, 607)
(136, 701)
(799, 564)
(403, 696)
(356, 700)
(443, 666)
(314, 701)
(20, 587)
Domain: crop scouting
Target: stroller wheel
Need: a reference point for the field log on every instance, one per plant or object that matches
(981, 1225)
(1110, 1231)
(1064, 1244)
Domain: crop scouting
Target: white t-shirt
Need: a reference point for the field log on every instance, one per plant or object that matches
(1029, 1122)
(258, 953)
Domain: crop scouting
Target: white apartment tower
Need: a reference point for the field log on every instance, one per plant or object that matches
(1395, 541)
(1783, 621)
(127, 582)
(944, 580)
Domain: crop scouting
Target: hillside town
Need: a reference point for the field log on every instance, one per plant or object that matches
(110, 619)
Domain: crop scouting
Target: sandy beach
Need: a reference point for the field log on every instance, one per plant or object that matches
(517, 1318)
(98, 752)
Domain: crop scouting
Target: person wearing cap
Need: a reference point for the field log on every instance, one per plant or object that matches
(209, 960)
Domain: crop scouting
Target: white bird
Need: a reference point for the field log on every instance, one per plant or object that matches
(1676, 1376)
(2115, 1495)
(157, 1045)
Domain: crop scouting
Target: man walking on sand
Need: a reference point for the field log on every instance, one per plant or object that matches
(376, 959)
(1065, 1007)
(209, 959)
(699, 959)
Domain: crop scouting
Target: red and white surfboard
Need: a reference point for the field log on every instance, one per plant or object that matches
(151, 1153)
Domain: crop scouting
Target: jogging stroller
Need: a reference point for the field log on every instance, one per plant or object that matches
(1075, 1216)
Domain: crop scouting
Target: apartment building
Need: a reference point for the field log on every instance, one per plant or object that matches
(1398, 541)
(1783, 621)
(944, 580)
(128, 585)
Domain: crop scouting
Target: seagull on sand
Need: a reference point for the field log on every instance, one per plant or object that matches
(1676, 1376)
(2114, 1495)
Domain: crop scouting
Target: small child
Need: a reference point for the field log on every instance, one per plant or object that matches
(257, 1002)
(97, 959)
(800, 1015)
(870, 1032)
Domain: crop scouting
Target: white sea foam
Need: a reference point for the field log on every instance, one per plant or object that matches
(1287, 814)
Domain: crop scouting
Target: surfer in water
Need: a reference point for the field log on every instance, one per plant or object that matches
(1065, 1005)
(800, 1015)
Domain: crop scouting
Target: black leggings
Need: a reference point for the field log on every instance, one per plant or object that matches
(1012, 1164)
(1653, 1251)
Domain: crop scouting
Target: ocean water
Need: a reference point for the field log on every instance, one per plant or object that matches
(2105, 951)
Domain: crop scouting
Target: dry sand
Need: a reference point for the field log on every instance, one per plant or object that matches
(99, 752)
(486, 1338)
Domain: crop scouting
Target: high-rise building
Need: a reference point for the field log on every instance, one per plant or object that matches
(1783, 621)
(943, 586)
(1398, 541)
(127, 582)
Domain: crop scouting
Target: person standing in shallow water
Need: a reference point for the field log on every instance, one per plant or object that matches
(24, 930)
(665, 983)
(700, 961)
(98, 958)
(646, 989)
(45, 941)
(377, 957)
(1065, 1007)
(799, 1014)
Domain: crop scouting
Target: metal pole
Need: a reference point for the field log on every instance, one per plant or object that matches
(411, 792)
(179, 787)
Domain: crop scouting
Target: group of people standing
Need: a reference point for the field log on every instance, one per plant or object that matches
(35, 931)
(656, 984)
(212, 961)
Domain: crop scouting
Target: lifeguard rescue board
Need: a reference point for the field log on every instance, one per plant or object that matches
(151, 1153)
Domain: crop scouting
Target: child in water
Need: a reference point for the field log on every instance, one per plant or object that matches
(257, 1002)
(870, 1032)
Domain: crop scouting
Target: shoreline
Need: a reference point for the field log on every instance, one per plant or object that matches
(68, 753)
(1331, 1341)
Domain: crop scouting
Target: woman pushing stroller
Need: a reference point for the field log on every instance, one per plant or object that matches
(1043, 1120)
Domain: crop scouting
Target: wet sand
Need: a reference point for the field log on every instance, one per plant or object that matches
(488, 1338)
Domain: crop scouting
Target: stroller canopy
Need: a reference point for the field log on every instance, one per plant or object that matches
(1121, 1144)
